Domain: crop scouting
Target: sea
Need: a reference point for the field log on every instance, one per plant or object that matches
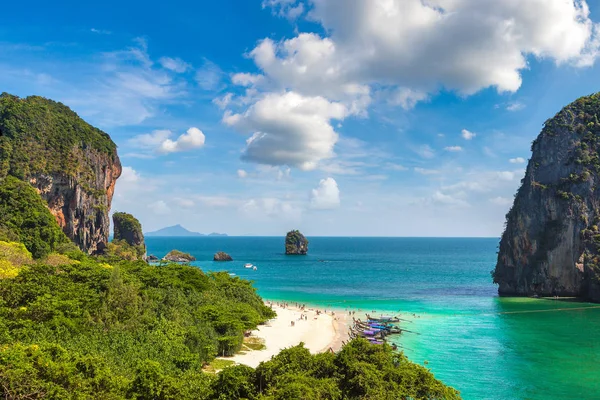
(487, 347)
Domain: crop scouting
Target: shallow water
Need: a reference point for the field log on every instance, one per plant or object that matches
(485, 346)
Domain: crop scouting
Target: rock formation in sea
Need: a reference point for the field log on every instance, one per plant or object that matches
(222, 256)
(127, 228)
(551, 244)
(71, 164)
(152, 258)
(295, 243)
(179, 256)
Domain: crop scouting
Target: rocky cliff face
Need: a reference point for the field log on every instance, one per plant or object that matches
(129, 229)
(73, 165)
(296, 243)
(551, 244)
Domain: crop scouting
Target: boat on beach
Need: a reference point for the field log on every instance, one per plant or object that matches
(383, 318)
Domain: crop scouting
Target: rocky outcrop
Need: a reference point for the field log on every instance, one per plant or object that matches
(152, 258)
(179, 257)
(129, 229)
(222, 256)
(551, 244)
(72, 165)
(295, 243)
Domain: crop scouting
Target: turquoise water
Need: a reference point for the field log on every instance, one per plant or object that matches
(485, 346)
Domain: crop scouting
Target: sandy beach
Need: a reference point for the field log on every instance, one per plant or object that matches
(318, 331)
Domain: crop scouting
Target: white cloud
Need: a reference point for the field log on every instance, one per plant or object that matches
(467, 135)
(426, 151)
(241, 173)
(246, 79)
(518, 160)
(453, 148)
(289, 129)
(516, 106)
(395, 167)
(101, 31)
(192, 139)
(441, 198)
(285, 8)
(425, 171)
(463, 45)
(326, 196)
(129, 175)
(174, 64)
(407, 98)
(150, 140)
(209, 76)
(272, 208)
(501, 201)
(223, 101)
(159, 207)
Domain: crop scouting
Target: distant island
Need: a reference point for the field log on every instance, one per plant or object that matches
(178, 230)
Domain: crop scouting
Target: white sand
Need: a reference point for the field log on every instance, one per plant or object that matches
(317, 332)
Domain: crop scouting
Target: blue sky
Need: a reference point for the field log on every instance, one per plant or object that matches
(350, 118)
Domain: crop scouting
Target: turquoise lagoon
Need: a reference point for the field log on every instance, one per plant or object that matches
(485, 346)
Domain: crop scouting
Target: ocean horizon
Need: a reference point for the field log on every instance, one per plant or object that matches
(486, 346)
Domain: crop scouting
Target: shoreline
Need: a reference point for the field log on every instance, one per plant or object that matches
(320, 331)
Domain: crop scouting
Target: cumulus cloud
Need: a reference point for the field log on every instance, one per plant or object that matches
(174, 64)
(463, 45)
(446, 199)
(241, 173)
(453, 149)
(289, 129)
(326, 196)
(192, 139)
(467, 135)
(517, 160)
(159, 141)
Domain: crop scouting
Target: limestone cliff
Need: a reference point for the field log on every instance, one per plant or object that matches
(296, 243)
(127, 228)
(73, 165)
(551, 244)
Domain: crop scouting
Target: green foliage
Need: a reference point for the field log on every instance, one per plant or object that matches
(359, 371)
(121, 250)
(38, 135)
(147, 329)
(13, 256)
(25, 217)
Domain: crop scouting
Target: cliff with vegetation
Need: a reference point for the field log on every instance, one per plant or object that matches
(128, 237)
(296, 243)
(72, 165)
(551, 244)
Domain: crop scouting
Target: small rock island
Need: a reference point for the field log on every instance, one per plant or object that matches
(222, 256)
(179, 257)
(551, 244)
(296, 243)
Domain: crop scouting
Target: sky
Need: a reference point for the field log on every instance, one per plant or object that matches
(335, 117)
